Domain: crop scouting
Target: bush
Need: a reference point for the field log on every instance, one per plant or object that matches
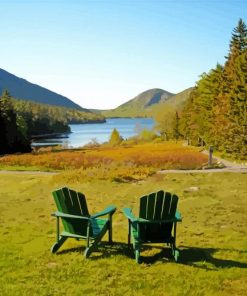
(147, 135)
(115, 138)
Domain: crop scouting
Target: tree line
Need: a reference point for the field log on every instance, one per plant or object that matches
(215, 112)
(20, 120)
(13, 128)
(48, 119)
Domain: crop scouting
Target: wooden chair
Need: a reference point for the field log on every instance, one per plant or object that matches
(157, 222)
(77, 222)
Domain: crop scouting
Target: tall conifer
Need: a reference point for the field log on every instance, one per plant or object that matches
(216, 110)
(12, 138)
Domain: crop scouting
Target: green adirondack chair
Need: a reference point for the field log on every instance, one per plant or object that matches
(157, 222)
(77, 222)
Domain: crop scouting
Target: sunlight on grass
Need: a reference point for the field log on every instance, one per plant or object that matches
(212, 238)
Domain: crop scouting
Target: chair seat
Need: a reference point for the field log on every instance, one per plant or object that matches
(97, 226)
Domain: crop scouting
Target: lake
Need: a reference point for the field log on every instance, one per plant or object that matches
(82, 134)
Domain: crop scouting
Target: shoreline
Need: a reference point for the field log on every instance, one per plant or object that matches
(51, 135)
(65, 133)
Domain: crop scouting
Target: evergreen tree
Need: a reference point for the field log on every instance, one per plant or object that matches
(238, 41)
(236, 80)
(215, 113)
(12, 136)
(115, 138)
(176, 129)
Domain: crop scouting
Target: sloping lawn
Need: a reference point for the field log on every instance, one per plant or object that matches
(212, 239)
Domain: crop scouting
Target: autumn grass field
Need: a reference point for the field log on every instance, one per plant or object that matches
(122, 163)
(212, 237)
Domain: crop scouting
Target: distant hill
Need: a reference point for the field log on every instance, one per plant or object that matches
(25, 90)
(177, 101)
(141, 105)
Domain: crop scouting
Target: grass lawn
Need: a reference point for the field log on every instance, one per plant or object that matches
(212, 238)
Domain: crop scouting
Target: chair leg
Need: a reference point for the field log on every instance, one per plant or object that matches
(58, 244)
(88, 252)
(137, 251)
(176, 255)
(137, 256)
(129, 233)
(110, 230)
(175, 251)
(92, 247)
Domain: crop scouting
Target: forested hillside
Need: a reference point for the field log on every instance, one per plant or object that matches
(13, 128)
(47, 119)
(215, 113)
(21, 120)
(216, 110)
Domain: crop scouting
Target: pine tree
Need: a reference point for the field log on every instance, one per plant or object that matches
(176, 128)
(12, 138)
(216, 110)
(115, 138)
(238, 41)
(236, 81)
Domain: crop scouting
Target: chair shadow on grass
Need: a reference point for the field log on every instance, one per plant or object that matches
(193, 256)
(103, 250)
(202, 257)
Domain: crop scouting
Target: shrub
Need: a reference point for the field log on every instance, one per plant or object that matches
(115, 138)
(147, 135)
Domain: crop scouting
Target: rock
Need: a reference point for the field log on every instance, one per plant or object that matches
(191, 189)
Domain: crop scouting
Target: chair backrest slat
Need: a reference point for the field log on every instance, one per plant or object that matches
(83, 204)
(143, 207)
(58, 197)
(158, 206)
(151, 206)
(71, 202)
(68, 201)
(166, 206)
(173, 206)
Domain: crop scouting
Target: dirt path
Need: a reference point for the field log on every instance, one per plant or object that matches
(223, 170)
(28, 172)
(229, 167)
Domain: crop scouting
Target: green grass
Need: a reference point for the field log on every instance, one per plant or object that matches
(212, 239)
(230, 157)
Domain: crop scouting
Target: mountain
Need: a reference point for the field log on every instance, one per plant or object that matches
(25, 90)
(176, 101)
(141, 105)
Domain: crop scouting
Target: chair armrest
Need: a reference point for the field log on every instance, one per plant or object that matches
(109, 210)
(63, 215)
(172, 220)
(128, 213)
(178, 216)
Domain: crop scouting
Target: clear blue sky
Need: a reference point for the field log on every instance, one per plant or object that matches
(103, 53)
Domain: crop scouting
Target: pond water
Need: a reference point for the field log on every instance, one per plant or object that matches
(82, 134)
